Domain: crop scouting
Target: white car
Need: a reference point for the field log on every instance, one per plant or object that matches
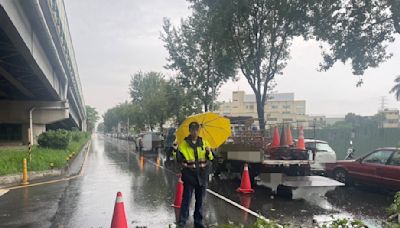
(322, 153)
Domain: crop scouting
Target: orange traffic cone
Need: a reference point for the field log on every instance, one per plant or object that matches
(178, 193)
(289, 136)
(283, 138)
(119, 219)
(275, 139)
(300, 141)
(245, 185)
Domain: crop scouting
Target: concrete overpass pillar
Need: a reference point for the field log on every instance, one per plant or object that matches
(37, 130)
(43, 113)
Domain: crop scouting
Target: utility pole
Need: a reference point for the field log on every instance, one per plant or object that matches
(382, 109)
(383, 103)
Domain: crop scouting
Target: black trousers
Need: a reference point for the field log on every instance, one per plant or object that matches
(199, 193)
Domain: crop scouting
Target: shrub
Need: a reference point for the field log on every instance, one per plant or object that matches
(76, 135)
(58, 139)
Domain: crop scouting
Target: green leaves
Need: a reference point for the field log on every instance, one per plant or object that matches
(92, 117)
(155, 101)
(396, 88)
(357, 31)
(195, 51)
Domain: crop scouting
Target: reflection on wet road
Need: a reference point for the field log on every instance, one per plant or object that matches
(148, 191)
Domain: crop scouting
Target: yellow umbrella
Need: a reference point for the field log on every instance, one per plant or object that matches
(213, 128)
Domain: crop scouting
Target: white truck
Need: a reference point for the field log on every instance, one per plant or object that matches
(285, 167)
(152, 142)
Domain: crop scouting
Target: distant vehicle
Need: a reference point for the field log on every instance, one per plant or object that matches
(139, 142)
(380, 168)
(152, 142)
(322, 153)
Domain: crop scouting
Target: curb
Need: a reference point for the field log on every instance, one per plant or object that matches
(73, 167)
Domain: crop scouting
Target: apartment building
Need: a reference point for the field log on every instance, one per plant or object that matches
(280, 108)
(390, 118)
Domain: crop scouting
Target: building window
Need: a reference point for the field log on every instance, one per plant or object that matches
(235, 106)
(286, 112)
(286, 106)
(272, 119)
(287, 119)
(274, 106)
(251, 107)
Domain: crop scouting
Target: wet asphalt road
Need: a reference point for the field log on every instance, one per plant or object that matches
(148, 191)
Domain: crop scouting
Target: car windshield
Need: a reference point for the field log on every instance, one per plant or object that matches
(319, 146)
(324, 147)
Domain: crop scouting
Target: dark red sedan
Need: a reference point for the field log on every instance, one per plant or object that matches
(380, 168)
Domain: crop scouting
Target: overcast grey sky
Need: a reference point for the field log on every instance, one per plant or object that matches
(115, 39)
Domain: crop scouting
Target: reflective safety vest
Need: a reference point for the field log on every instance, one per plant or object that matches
(187, 152)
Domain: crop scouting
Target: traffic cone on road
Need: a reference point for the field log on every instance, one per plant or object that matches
(178, 193)
(300, 141)
(275, 139)
(245, 185)
(289, 136)
(119, 218)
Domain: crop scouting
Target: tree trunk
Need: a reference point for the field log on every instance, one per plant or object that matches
(260, 112)
(205, 106)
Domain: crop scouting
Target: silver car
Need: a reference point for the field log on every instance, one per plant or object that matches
(321, 153)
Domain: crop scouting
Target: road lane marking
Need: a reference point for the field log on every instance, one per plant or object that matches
(3, 191)
(257, 215)
(55, 181)
(237, 205)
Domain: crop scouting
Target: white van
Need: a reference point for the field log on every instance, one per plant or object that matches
(323, 153)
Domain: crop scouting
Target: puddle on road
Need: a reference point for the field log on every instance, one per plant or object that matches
(308, 204)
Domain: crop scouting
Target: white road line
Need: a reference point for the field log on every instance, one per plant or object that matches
(237, 205)
(3, 191)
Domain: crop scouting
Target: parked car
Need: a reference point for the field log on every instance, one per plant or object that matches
(380, 167)
(322, 153)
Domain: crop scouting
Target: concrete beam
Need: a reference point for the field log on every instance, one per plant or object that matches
(45, 112)
(21, 31)
(15, 83)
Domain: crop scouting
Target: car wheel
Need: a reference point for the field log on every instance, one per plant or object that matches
(341, 176)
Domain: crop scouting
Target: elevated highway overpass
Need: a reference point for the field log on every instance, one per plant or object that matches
(39, 81)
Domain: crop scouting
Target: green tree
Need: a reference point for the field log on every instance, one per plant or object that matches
(148, 91)
(110, 119)
(260, 34)
(203, 63)
(181, 102)
(396, 88)
(92, 118)
(357, 31)
(100, 127)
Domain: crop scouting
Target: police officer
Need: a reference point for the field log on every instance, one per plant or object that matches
(194, 154)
